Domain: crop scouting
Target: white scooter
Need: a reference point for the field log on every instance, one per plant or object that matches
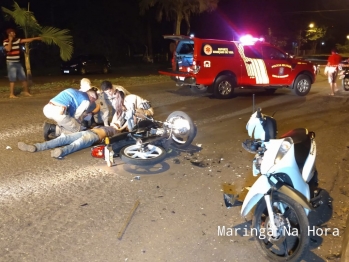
(286, 190)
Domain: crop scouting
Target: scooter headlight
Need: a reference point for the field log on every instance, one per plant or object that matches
(285, 146)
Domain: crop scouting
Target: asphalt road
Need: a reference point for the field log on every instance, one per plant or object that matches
(73, 209)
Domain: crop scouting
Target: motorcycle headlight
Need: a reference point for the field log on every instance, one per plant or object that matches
(181, 126)
(285, 146)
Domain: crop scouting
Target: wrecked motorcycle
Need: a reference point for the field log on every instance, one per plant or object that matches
(284, 193)
(149, 140)
(343, 75)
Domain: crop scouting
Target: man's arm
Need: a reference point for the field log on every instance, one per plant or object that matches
(81, 109)
(8, 44)
(28, 40)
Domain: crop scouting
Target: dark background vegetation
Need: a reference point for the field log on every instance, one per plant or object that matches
(116, 29)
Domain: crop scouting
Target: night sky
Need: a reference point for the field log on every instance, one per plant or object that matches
(116, 26)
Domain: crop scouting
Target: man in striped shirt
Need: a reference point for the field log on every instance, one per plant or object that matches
(15, 69)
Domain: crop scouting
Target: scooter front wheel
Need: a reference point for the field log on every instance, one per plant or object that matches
(291, 240)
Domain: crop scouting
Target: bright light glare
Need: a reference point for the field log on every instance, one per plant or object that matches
(179, 123)
(249, 40)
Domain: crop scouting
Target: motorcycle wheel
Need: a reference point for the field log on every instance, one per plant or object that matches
(345, 83)
(136, 155)
(186, 136)
(292, 226)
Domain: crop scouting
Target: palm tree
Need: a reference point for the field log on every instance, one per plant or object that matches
(26, 21)
(178, 10)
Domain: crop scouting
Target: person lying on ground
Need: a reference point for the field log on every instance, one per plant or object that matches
(67, 144)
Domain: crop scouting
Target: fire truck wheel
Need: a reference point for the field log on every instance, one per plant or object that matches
(200, 89)
(224, 87)
(301, 85)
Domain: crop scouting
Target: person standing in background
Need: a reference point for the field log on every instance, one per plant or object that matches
(15, 69)
(332, 70)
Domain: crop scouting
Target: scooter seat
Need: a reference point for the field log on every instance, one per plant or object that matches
(302, 144)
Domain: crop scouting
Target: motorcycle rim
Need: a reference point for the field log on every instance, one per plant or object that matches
(136, 155)
(293, 239)
(345, 84)
(184, 139)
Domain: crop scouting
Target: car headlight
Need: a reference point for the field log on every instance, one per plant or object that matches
(284, 147)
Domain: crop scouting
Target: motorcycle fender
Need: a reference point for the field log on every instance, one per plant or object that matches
(309, 163)
(296, 196)
(255, 128)
(256, 192)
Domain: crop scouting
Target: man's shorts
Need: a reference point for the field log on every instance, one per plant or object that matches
(332, 77)
(15, 71)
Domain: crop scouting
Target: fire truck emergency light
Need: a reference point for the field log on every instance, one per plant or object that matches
(249, 40)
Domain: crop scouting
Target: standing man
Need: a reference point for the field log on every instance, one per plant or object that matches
(68, 109)
(15, 69)
(332, 70)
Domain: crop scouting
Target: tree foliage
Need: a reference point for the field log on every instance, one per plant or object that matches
(178, 10)
(313, 35)
(59, 37)
(343, 48)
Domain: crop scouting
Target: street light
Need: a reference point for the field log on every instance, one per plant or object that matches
(348, 37)
(311, 25)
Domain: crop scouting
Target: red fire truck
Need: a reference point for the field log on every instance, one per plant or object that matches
(219, 66)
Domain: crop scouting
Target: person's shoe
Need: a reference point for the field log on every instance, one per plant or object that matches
(49, 129)
(56, 153)
(25, 147)
(26, 94)
(13, 96)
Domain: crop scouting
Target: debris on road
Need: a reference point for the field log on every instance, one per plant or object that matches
(121, 232)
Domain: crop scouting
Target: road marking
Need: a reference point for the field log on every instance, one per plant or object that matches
(24, 130)
(40, 183)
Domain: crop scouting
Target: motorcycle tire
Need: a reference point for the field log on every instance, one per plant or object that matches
(191, 133)
(135, 155)
(294, 224)
(345, 84)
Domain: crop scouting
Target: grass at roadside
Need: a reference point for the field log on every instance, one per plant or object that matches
(124, 81)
